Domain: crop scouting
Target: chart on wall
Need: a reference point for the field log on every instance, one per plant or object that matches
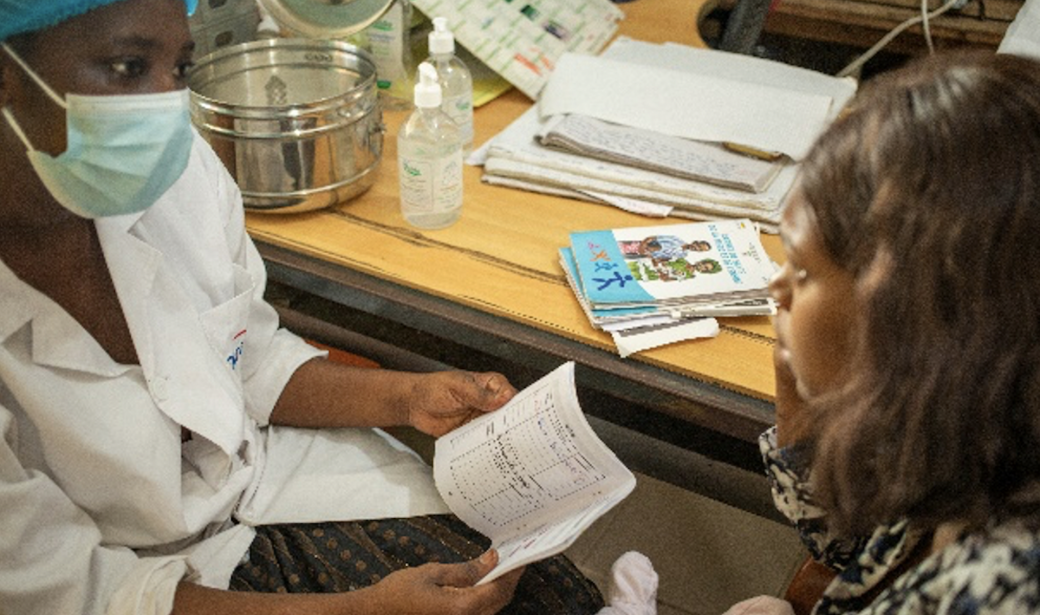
(522, 39)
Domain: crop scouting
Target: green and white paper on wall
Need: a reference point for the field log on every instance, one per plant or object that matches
(521, 40)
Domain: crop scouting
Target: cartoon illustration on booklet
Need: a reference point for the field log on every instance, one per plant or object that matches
(683, 264)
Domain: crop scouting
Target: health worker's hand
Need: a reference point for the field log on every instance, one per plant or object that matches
(441, 401)
(433, 589)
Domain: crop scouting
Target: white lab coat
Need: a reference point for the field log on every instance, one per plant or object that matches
(102, 508)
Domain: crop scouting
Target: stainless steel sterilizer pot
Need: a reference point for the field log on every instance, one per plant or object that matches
(296, 121)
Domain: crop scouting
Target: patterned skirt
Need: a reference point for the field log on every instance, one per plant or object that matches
(344, 556)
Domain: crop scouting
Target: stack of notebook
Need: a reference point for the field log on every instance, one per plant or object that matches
(674, 131)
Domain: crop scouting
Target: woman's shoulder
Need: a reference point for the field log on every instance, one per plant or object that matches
(1011, 545)
(991, 571)
(995, 569)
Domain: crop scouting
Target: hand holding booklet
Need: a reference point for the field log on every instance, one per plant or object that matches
(531, 476)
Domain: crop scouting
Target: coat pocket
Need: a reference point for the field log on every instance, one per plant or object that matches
(226, 325)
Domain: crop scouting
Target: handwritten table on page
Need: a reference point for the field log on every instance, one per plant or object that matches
(523, 40)
(550, 469)
(531, 476)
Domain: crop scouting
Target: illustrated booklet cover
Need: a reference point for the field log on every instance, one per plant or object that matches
(672, 267)
(615, 318)
(531, 476)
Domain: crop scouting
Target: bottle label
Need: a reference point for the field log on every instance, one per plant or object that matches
(387, 43)
(431, 185)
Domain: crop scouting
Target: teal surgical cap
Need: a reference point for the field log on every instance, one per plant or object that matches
(21, 16)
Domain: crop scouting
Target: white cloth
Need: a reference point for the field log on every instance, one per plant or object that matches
(102, 507)
(633, 586)
(761, 605)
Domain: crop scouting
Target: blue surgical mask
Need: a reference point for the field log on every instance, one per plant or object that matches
(123, 151)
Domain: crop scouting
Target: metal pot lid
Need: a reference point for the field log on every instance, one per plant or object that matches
(325, 18)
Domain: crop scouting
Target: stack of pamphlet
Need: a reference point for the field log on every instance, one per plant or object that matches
(674, 131)
(653, 285)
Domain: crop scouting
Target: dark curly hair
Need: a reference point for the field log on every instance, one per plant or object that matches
(928, 192)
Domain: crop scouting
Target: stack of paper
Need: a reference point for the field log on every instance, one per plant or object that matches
(657, 284)
(1023, 35)
(685, 158)
(666, 130)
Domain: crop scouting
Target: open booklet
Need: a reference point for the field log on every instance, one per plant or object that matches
(531, 476)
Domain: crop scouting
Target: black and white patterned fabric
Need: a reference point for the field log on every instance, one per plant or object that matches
(990, 571)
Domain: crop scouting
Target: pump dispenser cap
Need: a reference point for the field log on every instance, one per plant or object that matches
(427, 90)
(441, 39)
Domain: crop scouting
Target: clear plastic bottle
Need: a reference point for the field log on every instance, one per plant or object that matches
(390, 44)
(455, 79)
(429, 159)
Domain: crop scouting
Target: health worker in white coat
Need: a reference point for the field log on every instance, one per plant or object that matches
(159, 437)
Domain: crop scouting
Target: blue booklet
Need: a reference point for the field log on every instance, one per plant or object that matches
(672, 266)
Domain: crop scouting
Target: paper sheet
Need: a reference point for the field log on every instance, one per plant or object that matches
(636, 206)
(1023, 35)
(736, 67)
(522, 41)
(712, 108)
(631, 341)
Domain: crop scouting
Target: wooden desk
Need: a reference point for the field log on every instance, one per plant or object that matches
(491, 284)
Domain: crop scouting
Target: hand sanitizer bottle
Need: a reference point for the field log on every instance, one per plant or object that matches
(429, 159)
(455, 79)
(387, 39)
